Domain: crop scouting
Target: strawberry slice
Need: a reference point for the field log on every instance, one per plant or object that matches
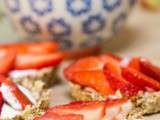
(2, 79)
(149, 69)
(131, 62)
(33, 47)
(7, 59)
(53, 116)
(93, 110)
(117, 82)
(85, 64)
(91, 63)
(143, 66)
(117, 109)
(93, 79)
(42, 47)
(14, 96)
(89, 110)
(139, 79)
(1, 101)
(112, 64)
(89, 72)
(31, 61)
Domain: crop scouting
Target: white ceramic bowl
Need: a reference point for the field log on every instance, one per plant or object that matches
(73, 23)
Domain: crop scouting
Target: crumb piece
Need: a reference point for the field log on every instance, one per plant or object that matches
(86, 94)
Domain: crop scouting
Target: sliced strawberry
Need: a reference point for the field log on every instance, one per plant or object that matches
(14, 96)
(117, 82)
(7, 59)
(91, 63)
(2, 79)
(143, 66)
(117, 109)
(149, 69)
(53, 116)
(131, 62)
(89, 110)
(33, 47)
(139, 79)
(112, 64)
(85, 64)
(1, 101)
(97, 110)
(31, 61)
(89, 72)
(93, 79)
(43, 47)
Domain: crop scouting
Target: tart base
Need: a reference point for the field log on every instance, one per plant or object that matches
(143, 104)
(84, 94)
(40, 83)
(30, 112)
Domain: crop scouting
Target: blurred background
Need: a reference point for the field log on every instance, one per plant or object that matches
(140, 34)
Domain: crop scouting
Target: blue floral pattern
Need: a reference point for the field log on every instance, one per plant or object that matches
(72, 23)
(13, 5)
(30, 25)
(110, 5)
(78, 7)
(64, 43)
(117, 23)
(91, 41)
(93, 24)
(41, 7)
(59, 28)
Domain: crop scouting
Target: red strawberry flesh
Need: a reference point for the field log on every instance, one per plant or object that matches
(150, 69)
(31, 61)
(117, 82)
(139, 79)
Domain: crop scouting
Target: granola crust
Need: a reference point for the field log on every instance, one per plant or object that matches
(147, 103)
(39, 84)
(30, 112)
(143, 104)
(84, 94)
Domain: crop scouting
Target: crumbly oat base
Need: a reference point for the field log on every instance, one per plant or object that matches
(40, 87)
(147, 103)
(36, 110)
(143, 103)
(30, 112)
(39, 84)
(84, 94)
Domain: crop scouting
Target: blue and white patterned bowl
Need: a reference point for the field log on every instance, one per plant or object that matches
(73, 23)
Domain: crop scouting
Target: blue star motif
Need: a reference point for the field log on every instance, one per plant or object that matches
(64, 43)
(13, 5)
(110, 5)
(89, 26)
(29, 25)
(78, 7)
(59, 28)
(92, 41)
(41, 7)
(117, 23)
